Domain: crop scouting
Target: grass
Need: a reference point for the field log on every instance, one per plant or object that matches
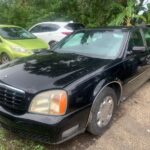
(8, 141)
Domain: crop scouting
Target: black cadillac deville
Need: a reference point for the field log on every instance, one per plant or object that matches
(53, 96)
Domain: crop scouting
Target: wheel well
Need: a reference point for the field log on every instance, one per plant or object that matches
(4, 53)
(117, 88)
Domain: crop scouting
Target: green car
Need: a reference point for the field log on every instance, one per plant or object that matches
(16, 42)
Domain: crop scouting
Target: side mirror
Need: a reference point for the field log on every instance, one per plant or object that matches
(52, 44)
(139, 49)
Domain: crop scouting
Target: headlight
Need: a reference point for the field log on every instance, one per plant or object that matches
(50, 103)
(19, 49)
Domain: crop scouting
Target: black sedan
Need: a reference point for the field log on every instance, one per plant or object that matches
(55, 95)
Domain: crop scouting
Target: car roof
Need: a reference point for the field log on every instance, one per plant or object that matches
(148, 25)
(55, 22)
(127, 28)
(5, 25)
(116, 27)
(61, 23)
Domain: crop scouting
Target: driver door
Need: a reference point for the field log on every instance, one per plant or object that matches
(135, 63)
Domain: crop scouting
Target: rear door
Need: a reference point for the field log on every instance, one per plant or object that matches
(136, 63)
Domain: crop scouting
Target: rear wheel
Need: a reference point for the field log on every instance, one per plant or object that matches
(102, 111)
(4, 58)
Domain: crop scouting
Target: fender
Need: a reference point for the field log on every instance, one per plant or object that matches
(104, 83)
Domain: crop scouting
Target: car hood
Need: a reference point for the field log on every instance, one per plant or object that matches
(30, 44)
(48, 71)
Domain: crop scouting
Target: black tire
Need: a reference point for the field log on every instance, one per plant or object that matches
(4, 58)
(93, 127)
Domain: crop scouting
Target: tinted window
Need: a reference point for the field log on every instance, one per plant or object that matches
(15, 33)
(93, 43)
(135, 39)
(147, 36)
(36, 29)
(74, 26)
(45, 28)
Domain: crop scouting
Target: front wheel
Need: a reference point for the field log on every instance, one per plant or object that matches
(4, 58)
(102, 111)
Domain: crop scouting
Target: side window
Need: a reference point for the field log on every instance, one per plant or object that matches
(45, 28)
(74, 26)
(36, 29)
(49, 27)
(135, 40)
(147, 36)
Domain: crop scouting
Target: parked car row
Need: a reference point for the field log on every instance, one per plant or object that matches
(16, 42)
(75, 87)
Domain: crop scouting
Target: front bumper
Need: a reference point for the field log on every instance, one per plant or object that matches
(16, 55)
(47, 129)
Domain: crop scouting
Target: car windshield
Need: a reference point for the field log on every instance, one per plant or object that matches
(104, 44)
(15, 33)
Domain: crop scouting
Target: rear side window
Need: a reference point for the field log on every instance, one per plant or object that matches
(45, 28)
(35, 29)
(74, 26)
(147, 36)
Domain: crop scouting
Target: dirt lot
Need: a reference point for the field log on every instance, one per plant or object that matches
(130, 130)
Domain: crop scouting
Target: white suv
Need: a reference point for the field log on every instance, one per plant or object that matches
(52, 32)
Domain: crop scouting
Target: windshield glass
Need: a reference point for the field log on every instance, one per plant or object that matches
(15, 33)
(104, 44)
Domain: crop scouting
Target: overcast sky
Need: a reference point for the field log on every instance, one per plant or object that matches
(148, 1)
(145, 4)
(145, 1)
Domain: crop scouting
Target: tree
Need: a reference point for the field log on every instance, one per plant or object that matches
(92, 13)
(127, 14)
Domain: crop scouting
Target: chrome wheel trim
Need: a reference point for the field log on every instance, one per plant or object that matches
(4, 59)
(105, 112)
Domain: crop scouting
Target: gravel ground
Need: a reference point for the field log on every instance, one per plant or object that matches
(130, 130)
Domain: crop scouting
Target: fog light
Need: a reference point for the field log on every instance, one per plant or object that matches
(70, 131)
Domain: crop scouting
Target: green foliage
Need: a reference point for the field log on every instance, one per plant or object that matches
(26, 12)
(128, 14)
(92, 13)
(147, 14)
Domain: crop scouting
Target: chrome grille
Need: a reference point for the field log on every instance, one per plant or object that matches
(11, 97)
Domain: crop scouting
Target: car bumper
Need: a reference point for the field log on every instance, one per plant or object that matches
(47, 129)
(16, 55)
